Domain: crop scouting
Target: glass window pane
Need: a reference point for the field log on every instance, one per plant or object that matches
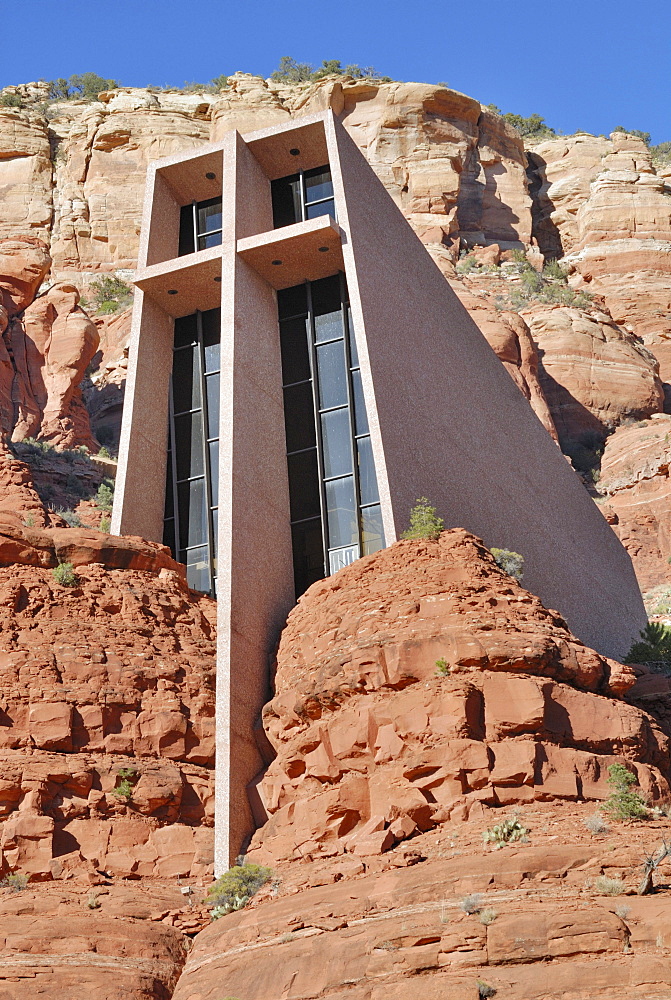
(192, 513)
(294, 345)
(169, 534)
(186, 330)
(339, 558)
(332, 374)
(318, 184)
(169, 495)
(198, 569)
(186, 380)
(353, 349)
(189, 445)
(337, 443)
(211, 240)
(286, 201)
(215, 537)
(209, 215)
(360, 415)
(304, 485)
(341, 513)
(299, 419)
(292, 301)
(328, 326)
(308, 554)
(214, 470)
(372, 530)
(212, 393)
(326, 295)
(211, 325)
(321, 208)
(367, 477)
(186, 230)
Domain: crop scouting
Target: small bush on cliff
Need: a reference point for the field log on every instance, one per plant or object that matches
(442, 667)
(471, 904)
(290, 71)
(505, 832)
(10, 101)
(65, 575)
(607, 886)
(533, 128)
(105, 497)
(485, 991)
(127, 777)
(510, 562)
(16, 882)
(623, 803)
(661, 153)
(654, 646)
(80, 86)
(110, 294)
(424, 521)
(235, 888)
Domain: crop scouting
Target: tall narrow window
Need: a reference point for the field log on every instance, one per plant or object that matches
(302, 196)
(200, 226)
(335, 509)
(191, 496)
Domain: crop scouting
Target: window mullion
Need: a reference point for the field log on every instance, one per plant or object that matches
(310, 326)
(173, 468)
(206, 450)
(350, 404)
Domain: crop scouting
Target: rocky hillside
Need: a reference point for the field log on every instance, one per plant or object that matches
(587, 344)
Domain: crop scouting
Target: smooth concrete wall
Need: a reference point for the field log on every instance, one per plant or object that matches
(139, 495)
(448, 422)
(255, 568)
(162, 228)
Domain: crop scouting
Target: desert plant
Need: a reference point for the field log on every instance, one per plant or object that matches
(654, 645)
(607, 886)
(424, 521)
(623, 803)
(505, 832)
(92, 902)
(534, 127)
(29, 520)
(649, 865)
(105, 497)
(510, 562)
(661, 153)
(622, 911)
(16, 882)
(488, 916)
(105, 524)
(442, 667)
(596, 825)
(485, 991)
(553, 269)
(471, 904)
(70, 517)
(235, 888)
(10, 101)
(110, 294)
(65, 575)
(80, 85)
(290, 71)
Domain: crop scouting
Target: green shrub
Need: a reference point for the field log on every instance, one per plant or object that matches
(110, 294)
(553, 269)
(127, 777)
(488, 916)
(16, 882)
(534, 127)
(485, 991)
(471, 904)
(105, 497)
(442, 667)
(661, 153)
(654, 645)
(510, 562)
(70, 517)
(424, 521)
(10, 101)
(80, 85)
(290, 71)
(235, 888)
(505, 832)
(105, 524)
(65, 575)
(623, 803)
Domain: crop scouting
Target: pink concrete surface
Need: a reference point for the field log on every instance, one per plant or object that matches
(306, 251)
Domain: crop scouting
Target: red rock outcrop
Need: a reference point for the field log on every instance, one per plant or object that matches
(421, 685)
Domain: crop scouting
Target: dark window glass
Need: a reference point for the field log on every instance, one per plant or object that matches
(318, 184)
(169, 533)
(360, 415)
(367, 477)
(215, 535)
(341, 513)
(189, 445)
(326, 295)
(321, 208)
(209, 215)
(286, 199)
(294, 345)
(332, 374)
(299, 417)
(353, 349)
(186, 380)
(212, 392)
(186, 331)
(169, 492)
(186, 232)
(198, 569)
(192, 513)
(304, 485)
(308, 554)
(211, 321)
(371, 529)
(209, 240)
(292, 301)
(337, 443)
(214, 470)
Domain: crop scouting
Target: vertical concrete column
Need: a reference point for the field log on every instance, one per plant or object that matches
(140, 482)
(255, 567)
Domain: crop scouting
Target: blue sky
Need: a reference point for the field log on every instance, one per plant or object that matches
(582, 64)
